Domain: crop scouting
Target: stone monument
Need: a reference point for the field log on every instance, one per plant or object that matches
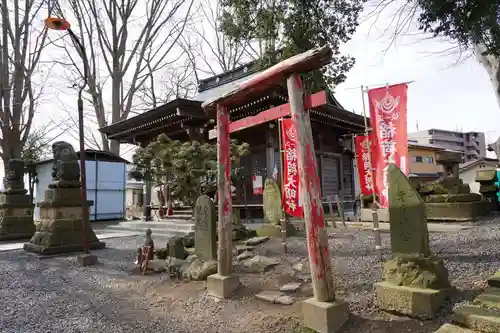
(16, 207)
(148, 241)
(60, 229)
(415, 283)
(205, 228)
(273, 211)
(488, 188)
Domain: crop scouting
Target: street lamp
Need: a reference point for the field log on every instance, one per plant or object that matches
(55, 23)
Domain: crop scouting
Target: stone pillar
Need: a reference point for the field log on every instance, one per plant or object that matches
(16, 207)
(403, 289)
(61, 228)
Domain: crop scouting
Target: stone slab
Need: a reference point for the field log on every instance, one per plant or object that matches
(291, 287)
(284, 300)
(15, 199)
(244, 248)
(222, 286)
(62, 194)
(87, 259)
(494, 281)
(269, 295)
(414, 302)
(325, 317)
(448, 328)
(476, 318)
(63, 203)
(245, 255)
(6, 237)
(491, 301)
(16, 227)
(40, 249)
(256, 241)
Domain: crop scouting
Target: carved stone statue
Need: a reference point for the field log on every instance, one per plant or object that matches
(148, 241)
(14, 177)
(66, 170)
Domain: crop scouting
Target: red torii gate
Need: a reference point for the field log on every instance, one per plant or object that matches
(323, 305)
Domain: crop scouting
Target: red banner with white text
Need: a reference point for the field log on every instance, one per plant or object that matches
(292, 201)
(388, 119)
(363, 162)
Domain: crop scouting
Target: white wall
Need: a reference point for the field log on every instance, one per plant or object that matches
(469, 176)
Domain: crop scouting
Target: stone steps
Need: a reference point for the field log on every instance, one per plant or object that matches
(483, 316)
(447, 328)
(180, 213)
(477, 318)
(166, 229)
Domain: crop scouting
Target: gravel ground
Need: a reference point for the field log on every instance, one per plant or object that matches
(56, 295)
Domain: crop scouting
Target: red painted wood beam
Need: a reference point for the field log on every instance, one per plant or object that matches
(310, 102)
(271, 77)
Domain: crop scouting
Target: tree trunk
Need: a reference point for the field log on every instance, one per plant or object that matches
(492, 66)
(114, 147)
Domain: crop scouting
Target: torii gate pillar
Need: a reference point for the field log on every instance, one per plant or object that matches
(323, 312)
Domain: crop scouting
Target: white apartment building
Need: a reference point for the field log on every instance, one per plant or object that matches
(471, 144)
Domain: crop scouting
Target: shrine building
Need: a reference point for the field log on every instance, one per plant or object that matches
(185, 120)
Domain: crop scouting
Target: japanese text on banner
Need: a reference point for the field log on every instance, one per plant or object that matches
(363, 160)
(388, 118)
(292, 201)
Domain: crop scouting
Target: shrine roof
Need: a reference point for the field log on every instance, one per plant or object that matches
(173, 112)
(171, 117)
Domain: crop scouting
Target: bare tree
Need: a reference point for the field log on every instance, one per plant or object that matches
(405, 21)
(38, 143)
(126, 42)
(177, 80)
(208, 49)
(22, 41)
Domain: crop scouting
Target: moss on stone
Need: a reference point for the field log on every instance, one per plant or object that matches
(486, 176)
(416, 272)
(275, 230)
(273, 209)
(462, 197)
(488, 188)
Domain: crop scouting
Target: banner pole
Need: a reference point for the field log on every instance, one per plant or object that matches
(284, 219)
(359, 179)
(376, 227)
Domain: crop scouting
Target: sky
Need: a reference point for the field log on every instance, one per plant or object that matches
(445, 93)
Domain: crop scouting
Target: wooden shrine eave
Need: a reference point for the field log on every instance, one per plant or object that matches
(174, 114)
(333, 116)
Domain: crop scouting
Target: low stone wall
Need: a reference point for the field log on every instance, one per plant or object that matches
(444, 212)
(457, 211)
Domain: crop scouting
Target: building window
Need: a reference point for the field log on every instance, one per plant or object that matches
(417, 159)
(430, 159)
